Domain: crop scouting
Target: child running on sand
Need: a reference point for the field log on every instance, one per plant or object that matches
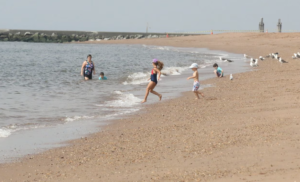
(195, 76)
(157, 67)
(218, 71)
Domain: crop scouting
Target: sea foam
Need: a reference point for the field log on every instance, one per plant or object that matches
(4, 133)
(140, 77)
(123, 100)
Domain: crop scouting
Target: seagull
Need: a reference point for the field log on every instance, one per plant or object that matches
(225, 60)
(271, 55)
(228, 60)
(231, 77)
(246, 56)
(256, 62)
(281, 60)
(296, 55)
(253, 62)
(261, 58)
(274, 55)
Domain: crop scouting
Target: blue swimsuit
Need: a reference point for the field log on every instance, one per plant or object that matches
(153, 77)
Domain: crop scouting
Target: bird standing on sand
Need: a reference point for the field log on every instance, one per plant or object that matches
(261, 58)
(246, 56)
(296, 55)
(256, 62)
(252, 62)
(281, 60)
(231, 77)
(273, 55)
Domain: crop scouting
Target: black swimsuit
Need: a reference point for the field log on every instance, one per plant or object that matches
(89, 67)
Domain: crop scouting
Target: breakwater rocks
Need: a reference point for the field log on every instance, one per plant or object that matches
(75, 36)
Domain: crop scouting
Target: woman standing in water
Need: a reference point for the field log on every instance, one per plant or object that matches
(157, 67)
(87, 68)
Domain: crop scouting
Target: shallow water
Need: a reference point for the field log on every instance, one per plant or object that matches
(45, 100)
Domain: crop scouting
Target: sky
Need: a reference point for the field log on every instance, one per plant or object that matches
(162, 15)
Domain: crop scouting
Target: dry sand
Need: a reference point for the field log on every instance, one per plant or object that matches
(247, 129)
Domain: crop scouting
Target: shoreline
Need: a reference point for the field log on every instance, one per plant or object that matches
(240, 131)
(12, 148)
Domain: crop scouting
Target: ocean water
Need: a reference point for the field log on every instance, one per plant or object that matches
(44, 100)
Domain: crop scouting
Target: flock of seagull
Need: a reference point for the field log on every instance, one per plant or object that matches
(254, 62)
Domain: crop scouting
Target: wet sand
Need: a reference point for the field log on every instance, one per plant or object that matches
(247, 129)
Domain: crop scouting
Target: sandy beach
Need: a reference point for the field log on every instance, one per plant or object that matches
(247, 129)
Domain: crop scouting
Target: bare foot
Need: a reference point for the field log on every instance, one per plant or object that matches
(144, 101)
(202, 95)
(196, 98)
(160, 97)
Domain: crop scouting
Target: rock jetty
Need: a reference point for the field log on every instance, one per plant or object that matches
(75, 36)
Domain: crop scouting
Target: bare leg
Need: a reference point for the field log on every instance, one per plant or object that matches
(201, 93)
(155, 93)
(150, 88)
(196, 93)
(147, 92)
(146, 95)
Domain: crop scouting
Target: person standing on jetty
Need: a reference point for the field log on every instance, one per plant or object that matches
(157, 67)
(195, 76)
(87, 68)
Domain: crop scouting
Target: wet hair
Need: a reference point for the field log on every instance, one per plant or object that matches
(89, 56)
(159, 64)
(102, 73)
(215, 65)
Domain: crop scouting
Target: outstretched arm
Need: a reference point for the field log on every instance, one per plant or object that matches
(194, 76)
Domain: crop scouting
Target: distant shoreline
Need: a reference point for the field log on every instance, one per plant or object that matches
(48, 36)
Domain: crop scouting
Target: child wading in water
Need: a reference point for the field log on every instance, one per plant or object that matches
(157, 67)
(102, 77)
(195, 76)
